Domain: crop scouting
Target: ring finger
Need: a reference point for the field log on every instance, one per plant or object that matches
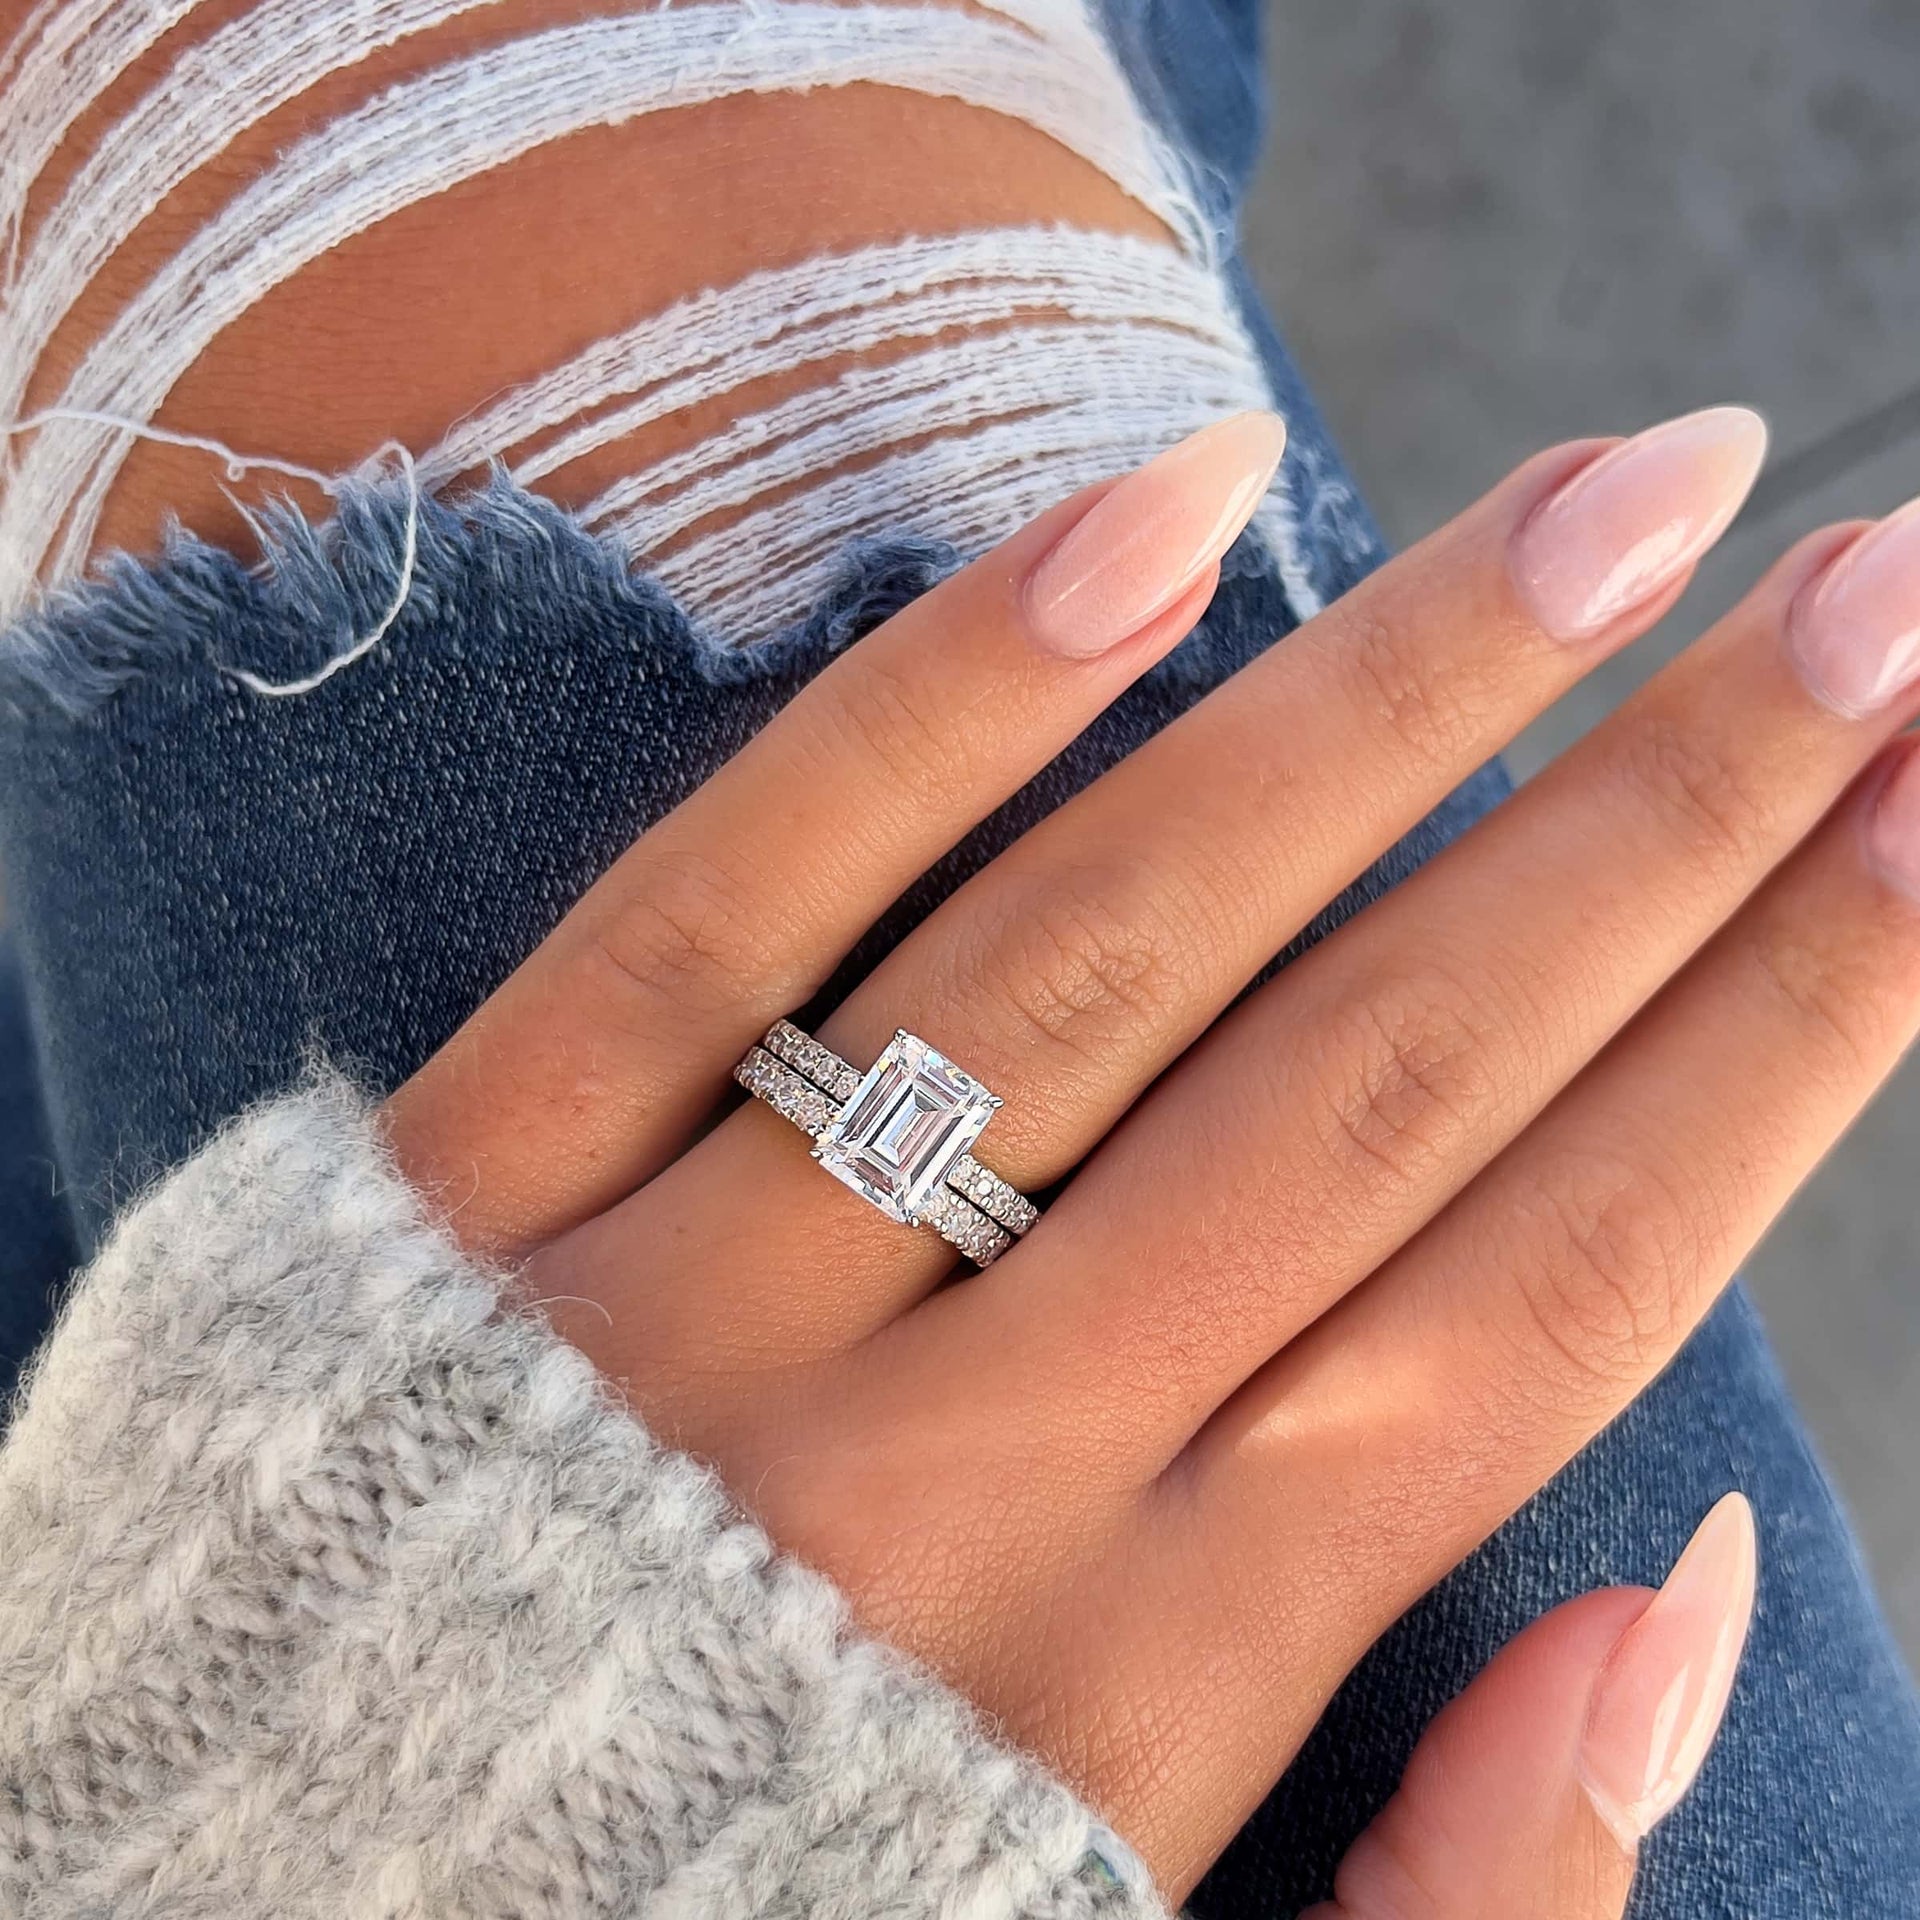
(589, 1067)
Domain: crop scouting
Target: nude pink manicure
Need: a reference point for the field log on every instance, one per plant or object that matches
(1893, 834)
(1129, 558)
(1631, 524)
(1856, 636)
(1662, 1694)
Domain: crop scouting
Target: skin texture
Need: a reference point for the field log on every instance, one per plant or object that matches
(400, 331)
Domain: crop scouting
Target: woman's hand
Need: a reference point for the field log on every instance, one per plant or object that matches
(1344, 1274)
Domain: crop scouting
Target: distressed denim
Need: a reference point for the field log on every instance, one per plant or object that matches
(203, 886)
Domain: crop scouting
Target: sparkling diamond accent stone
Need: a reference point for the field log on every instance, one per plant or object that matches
(907, 1123)
(785, 1091)
(993, 1195)
(980, 1239)
(806, 1055)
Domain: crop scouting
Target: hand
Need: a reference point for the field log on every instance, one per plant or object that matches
(1345, 1273)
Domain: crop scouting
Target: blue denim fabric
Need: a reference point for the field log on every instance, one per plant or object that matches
(203, 884)
(37, 1243)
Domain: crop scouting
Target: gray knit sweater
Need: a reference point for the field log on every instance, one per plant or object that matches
(329, 1586)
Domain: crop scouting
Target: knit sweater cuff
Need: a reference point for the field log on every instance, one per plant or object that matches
(336, 1585)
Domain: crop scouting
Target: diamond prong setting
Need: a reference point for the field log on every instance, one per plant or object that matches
(905, 1127)
(974, 1210)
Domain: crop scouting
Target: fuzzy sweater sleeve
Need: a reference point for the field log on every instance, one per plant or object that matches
(330, 1587)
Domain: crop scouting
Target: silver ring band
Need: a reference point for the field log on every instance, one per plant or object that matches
(899, 1134)
(840, 1078)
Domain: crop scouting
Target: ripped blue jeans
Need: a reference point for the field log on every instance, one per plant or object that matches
(203, 885)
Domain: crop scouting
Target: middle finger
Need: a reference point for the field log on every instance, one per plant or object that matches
(1072, 970)
(1337, 1112)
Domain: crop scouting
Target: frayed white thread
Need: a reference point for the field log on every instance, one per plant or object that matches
(402, 591)
(217, 89)
(238, 465)
(1165, 347)
(764, 569)
(780, 318)
(24, 35)
(775, 321)
(1277, 522)
(486, 109)
(63, 58)
(1040, 369)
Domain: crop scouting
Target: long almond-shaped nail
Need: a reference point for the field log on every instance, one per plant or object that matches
(1660, 1698)
(1855, 635)
(1893, 833)
(1628, 525)
(1138, 549)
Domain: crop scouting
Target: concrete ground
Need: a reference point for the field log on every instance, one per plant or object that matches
(1489, 225)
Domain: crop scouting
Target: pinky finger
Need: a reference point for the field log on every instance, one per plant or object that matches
(1529, 1795)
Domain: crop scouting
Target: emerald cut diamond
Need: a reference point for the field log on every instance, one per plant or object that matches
(907, 1122)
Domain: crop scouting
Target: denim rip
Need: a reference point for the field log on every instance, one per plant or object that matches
(1042, 61)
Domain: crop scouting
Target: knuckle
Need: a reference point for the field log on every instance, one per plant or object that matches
(1399, 1074)
(1709, 806)
(1608, 1245)
(1835, 1001)
(888, 714)
(683, 940)
(1079, 974)
(1426, 710)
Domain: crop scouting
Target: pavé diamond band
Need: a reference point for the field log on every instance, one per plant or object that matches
(899, 1135)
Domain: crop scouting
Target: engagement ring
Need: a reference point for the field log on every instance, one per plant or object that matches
(900, 1135)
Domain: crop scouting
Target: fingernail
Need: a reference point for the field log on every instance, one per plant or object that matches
(1659, 1700)
(1893, 834)
(1631, 524)
(1141, 547)
(1856, 636)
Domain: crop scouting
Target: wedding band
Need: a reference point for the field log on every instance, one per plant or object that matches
(900, 1135)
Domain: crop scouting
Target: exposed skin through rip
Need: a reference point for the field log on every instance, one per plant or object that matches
(402, 330)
